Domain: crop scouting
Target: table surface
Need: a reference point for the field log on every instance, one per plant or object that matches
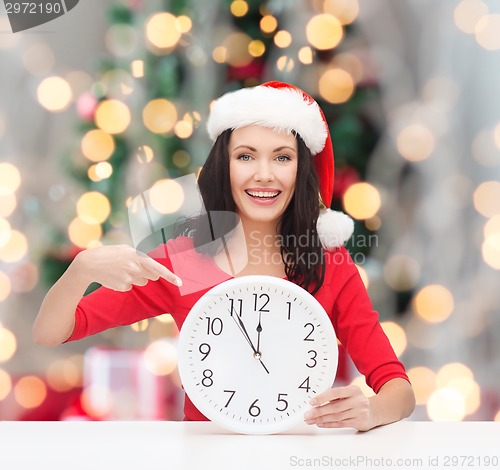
(202, 445)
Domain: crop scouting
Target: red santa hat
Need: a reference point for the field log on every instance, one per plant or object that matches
(285, 107)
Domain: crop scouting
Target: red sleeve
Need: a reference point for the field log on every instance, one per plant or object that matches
(105, 308)
(357, 323)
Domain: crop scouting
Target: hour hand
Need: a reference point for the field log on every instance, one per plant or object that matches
(259, 331)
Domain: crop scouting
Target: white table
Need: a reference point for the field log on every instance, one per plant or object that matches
(173, 445)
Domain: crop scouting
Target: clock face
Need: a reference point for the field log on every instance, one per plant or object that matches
(253, 351)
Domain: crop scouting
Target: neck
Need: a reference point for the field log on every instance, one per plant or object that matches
(262, 254)
(258, 230)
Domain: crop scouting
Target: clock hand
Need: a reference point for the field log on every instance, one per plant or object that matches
(257, 353)
(259, 331)
(263, 365)
(242, 328)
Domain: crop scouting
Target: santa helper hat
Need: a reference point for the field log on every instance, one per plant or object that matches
(284, 107)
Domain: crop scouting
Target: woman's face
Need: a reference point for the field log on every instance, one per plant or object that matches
(263, 171)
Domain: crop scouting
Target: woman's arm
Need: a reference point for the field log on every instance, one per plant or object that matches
(56, 318)
(115, 267)
(342, 407)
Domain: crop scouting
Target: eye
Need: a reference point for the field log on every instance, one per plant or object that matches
(283, 158)
(244, 157)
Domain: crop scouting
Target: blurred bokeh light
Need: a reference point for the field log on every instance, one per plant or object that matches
(112, 116)
(433, 303)
(54, 94)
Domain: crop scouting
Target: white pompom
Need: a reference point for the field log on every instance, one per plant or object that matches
(334, 228)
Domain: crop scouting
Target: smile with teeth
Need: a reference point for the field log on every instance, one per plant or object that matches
(263, 194)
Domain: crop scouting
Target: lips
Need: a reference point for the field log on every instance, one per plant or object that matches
(263, 194)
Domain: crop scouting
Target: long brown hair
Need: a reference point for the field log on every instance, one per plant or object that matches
(300, 248)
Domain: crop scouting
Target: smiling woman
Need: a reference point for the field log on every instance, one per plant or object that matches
(268, 178)
(263, 171)
(270, 170)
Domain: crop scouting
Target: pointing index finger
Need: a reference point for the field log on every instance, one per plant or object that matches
(155, 267)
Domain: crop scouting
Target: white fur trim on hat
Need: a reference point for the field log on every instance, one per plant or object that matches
(334, 228)
(283, 109)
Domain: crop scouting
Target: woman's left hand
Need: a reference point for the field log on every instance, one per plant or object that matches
(341, 407)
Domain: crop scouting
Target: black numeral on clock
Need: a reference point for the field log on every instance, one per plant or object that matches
(283, 401)
(239, 309)
(305, 385)
(311, 326)
(204, 349)
(254, 410)
(314, 354)
(207, 378)
(289, 310)
(232, 392)
(214, 326)
(265, 299)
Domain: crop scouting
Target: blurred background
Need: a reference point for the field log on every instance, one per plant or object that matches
(112, 98)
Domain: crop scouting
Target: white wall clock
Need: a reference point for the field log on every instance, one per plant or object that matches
(253, 351)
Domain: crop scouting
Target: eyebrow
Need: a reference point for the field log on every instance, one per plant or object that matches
(277, 149)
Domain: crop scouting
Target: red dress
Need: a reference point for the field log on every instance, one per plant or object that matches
(343, 296)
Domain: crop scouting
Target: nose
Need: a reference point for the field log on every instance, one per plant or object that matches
(264, 171)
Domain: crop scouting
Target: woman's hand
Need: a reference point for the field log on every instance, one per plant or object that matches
(348, 407)
(119, 267)
(341, 407)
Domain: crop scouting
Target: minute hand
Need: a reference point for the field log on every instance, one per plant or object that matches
(242, 328)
